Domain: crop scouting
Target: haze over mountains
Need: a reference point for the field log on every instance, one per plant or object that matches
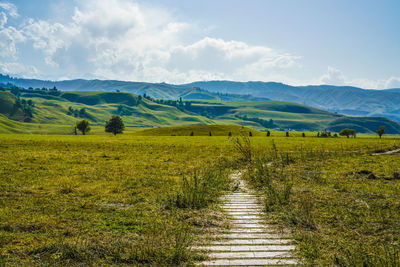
(342, 99)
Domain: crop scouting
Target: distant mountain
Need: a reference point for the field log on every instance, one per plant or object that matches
(156, 90)
(342, 99)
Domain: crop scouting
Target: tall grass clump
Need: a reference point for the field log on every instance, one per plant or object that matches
(242, 145)
(369, 257)
(200, 188)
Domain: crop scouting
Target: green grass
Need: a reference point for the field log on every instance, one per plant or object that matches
(144, 200)
(323, 191)
(90, 200)
(199, 130)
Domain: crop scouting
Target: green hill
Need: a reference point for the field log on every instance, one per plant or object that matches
(7, 103)
(59, 111)
(348, 100)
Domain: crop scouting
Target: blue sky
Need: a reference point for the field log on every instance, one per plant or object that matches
(337, 42)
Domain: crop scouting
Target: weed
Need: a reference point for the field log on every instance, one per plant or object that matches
(242, 144)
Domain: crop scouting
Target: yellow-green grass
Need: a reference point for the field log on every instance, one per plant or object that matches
(98, 199)
(200, 130)
(338, 199)
(106, 200)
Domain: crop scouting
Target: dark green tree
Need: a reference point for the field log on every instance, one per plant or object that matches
(83, 126)
(381, 131)
(347, 132)
(115, 125)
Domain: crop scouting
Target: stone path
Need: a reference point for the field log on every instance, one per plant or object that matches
(387, 152)
(250, 241)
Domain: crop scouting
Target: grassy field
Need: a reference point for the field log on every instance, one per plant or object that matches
(339, 200)
(104, 200)
(88, 200)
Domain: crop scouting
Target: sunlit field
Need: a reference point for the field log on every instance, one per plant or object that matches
(105, 200)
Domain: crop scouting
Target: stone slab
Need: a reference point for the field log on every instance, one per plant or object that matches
(250, 262)
(247, 248)
(247, 255)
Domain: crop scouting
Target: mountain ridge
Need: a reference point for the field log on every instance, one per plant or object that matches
(348, 100)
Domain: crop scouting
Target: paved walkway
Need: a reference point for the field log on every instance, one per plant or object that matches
(250, 241)
(387, 152)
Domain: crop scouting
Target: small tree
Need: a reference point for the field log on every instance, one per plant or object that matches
(83, 126)
(381, 131)
(347, 132)
(115, 125)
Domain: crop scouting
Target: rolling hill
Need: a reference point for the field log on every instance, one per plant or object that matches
(30, 110)
(342, 99)
(156, 90)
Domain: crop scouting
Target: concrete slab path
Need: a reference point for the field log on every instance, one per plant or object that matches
(250, 241)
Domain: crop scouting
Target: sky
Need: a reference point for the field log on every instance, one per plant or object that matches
(297, 42)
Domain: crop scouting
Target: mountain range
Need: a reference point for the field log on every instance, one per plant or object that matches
(341, 99)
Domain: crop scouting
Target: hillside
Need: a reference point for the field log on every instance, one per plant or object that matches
(342, 99)
(156, 90)
(29, 110)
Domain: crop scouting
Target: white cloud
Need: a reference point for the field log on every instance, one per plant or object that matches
(333, 76)
(3, 19)
(22, 70)
(393, 82)
(10, 8)
(120, 39)
(336, 77)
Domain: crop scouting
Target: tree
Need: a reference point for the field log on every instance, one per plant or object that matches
(381, 131)
(83, 126)
(115, 125)
(348, 132)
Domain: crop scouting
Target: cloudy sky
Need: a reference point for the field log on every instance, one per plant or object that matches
(177, 41)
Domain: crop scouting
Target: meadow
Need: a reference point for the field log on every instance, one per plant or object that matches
(145, 199)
